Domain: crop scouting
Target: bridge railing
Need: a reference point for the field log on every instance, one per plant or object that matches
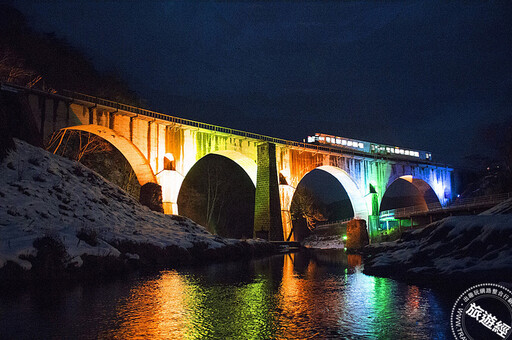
(173, 119)
(331, 223)
(211, 127)
(70, 96)
(407, 211)
(482, 199)
(188, 122)
(460, 204)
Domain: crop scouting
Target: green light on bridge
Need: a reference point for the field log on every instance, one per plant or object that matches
(344, 237)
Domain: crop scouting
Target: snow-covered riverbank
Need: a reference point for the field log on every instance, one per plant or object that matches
(43, 196)
(455, 250)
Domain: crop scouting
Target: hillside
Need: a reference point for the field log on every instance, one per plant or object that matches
(48, 62)
(47, 197)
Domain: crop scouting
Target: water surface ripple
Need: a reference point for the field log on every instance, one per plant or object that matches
(294, 296)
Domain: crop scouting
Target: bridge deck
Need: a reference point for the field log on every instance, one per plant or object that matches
(92, 101)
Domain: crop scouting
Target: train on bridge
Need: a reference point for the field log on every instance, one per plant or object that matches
(369, 147)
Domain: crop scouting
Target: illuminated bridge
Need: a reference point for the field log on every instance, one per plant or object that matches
(163, 149)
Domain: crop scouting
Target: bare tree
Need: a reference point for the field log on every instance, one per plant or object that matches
(14, 70)
(127, 180)
(215, 195)
(305, 205)
(76, 144)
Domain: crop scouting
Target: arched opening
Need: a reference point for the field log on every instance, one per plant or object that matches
(169, 162)
(248, 165)
(104, 151)
(407, 194)
(326, 194)
(356, 197)
(282, 179)
(286, 193)
(219, 194)
(408, 191)
(132, 154)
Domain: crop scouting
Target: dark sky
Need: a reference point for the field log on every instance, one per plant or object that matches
(428, 75)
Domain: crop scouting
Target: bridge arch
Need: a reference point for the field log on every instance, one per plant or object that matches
(137, 160)
(427, 197)
(247, 164)
(356, 197)
(218, 193)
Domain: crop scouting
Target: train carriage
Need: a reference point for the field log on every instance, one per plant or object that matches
(369, 147)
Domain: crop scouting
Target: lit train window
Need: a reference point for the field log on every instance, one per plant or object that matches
(361, 145)
(328, 139)
(321, 138)
(343, 142)
(338, 141)
(406, 152)
(349, 143)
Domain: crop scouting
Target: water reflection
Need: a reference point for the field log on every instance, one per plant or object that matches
(290, 297)
(157, 308)
(296, 296)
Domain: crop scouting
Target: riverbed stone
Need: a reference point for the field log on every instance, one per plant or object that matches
(357, 235)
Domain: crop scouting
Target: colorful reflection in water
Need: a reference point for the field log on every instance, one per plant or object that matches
(296, 296)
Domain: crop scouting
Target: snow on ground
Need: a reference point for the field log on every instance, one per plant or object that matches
(327, 242)
(504, 207)
(326, 237)
(45, 195)
(472, 247)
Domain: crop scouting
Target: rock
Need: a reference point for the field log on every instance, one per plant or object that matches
(357, 235)
(151, 196)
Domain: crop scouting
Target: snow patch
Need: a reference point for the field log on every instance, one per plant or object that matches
(323, 242)
(43, 194)
(455, 245)
(131, 256)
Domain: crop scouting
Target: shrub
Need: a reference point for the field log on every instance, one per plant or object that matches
(88, 235)
(51, 256)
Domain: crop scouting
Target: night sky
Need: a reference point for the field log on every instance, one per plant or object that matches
(429, 75)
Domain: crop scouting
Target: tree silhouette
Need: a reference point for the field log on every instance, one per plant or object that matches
(76, 144)
(48, 62)
(305, 205)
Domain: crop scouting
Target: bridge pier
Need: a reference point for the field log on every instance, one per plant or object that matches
(372, 201)
(170, 181)
(267, 210)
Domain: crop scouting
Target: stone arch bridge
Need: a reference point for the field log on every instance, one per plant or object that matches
(162, 149)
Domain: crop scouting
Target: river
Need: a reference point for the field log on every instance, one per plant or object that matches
(322, 295)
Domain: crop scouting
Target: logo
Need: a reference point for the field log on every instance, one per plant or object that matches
(483, 311)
